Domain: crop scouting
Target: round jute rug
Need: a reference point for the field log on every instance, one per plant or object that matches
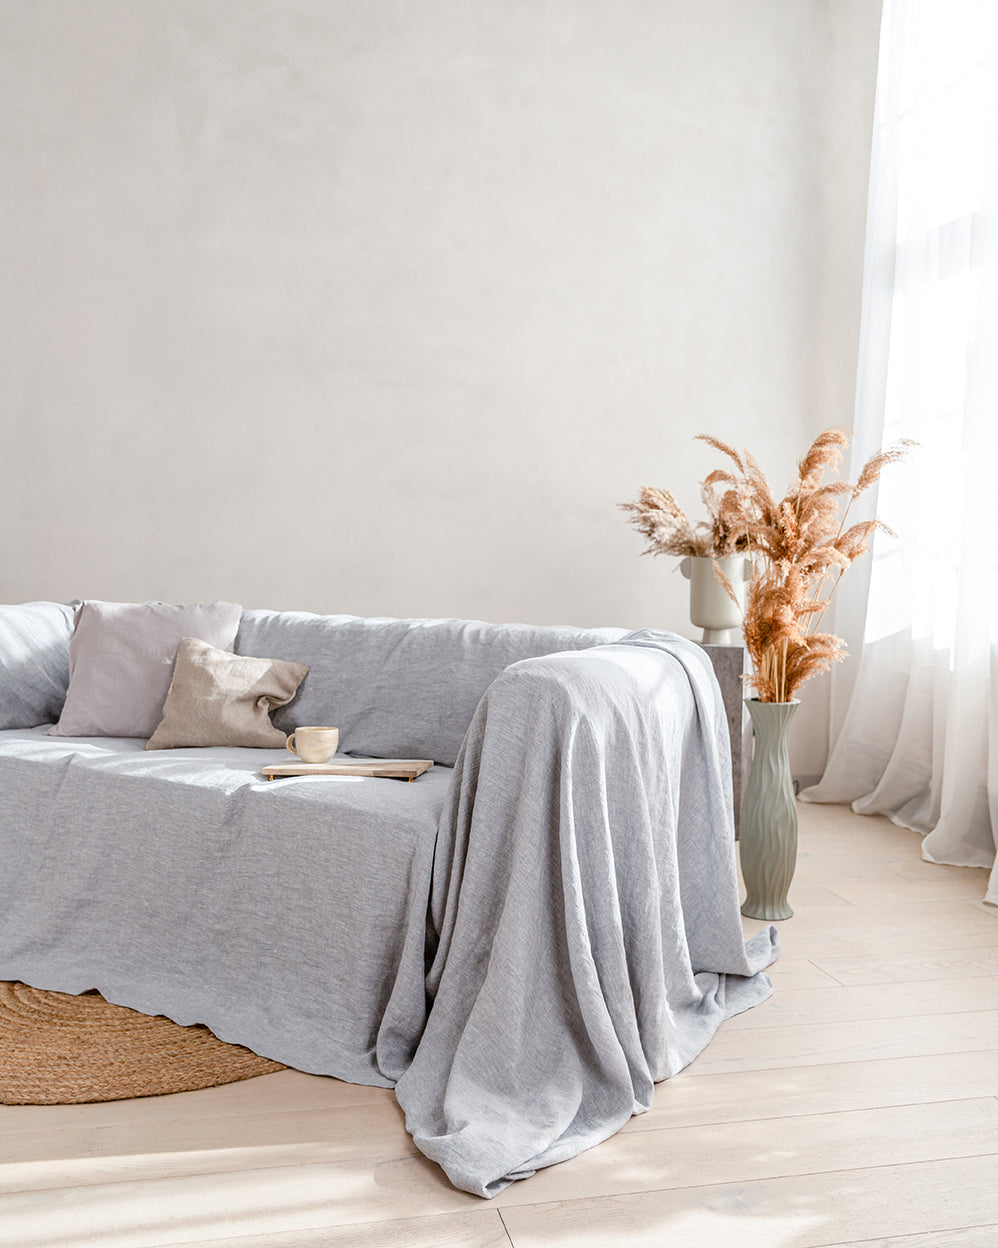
(57, 1049)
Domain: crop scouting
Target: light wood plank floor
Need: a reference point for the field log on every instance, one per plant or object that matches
(859, 1106)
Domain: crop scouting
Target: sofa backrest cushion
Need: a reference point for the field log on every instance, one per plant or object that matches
(398, 688)
(34, 662)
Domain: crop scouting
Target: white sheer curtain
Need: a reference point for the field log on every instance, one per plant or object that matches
(919, 731)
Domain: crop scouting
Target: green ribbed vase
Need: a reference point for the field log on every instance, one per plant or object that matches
(768, 831)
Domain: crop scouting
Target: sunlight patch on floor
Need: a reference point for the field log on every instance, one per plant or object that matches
(137, 1214)
(74, 1171)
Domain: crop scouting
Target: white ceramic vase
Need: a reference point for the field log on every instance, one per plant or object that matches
(710, 606)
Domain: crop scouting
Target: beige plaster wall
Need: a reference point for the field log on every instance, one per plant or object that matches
(381, 307)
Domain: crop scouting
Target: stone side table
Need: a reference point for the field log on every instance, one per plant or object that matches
(729, 664)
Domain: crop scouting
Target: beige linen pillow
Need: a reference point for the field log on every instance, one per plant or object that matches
(121, 661)
(217, 698)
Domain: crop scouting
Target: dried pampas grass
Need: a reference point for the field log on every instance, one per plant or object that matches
(668, 531)
(798, 544)
(800, 550)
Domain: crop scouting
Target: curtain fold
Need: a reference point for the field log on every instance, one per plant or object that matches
(917, 720)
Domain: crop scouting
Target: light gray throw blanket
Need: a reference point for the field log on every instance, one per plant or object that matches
(586, 901)
(524, 946)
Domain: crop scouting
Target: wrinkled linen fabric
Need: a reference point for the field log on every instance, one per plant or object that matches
(524, 946)
(586, 900)
(398, 688)
(217, 698)
(285, 915)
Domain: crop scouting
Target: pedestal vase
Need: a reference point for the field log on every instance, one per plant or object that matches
(768, 844)
(710, 607)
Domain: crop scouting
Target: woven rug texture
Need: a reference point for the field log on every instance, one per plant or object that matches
(58, 1049)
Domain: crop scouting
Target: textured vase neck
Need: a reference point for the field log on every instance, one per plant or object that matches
(771, 718)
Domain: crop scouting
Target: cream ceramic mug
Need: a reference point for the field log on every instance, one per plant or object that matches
(314, 745)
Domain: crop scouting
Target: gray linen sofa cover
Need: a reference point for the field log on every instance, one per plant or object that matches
(522, 945)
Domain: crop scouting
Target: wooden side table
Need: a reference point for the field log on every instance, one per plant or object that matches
(729, 664)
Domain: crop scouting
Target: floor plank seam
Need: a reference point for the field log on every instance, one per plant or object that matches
(845, 900)
(505, 1228)
(810, 1113)
(688, 1072)
(235, 1240)
(913, 1236)
(883, 906)
(818, 967)
(387, 1096)
(948, 952)
(983, 975)
(110, 1125)
(921, 1016)
(769, 1178)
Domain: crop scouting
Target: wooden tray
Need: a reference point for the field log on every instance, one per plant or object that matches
(397, 768)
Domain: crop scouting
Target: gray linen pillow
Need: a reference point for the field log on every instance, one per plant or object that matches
(34, 662)
(121, 662)
(218, 698)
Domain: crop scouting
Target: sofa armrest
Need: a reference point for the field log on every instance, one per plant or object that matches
(34, 662)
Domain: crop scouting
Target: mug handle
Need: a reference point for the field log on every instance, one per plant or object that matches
(290, 743)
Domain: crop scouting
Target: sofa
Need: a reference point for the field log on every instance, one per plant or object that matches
(522, 941)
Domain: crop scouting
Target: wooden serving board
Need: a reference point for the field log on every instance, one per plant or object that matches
(397, 768)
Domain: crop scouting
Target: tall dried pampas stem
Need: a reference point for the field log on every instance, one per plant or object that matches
(800, 550)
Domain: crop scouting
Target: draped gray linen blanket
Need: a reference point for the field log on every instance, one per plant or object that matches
(523, 946)
(586, 901)
(285, 915)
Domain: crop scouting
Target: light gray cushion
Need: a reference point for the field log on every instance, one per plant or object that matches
(398, 688)
(34, 662)
(217, 698)
(121, 662)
